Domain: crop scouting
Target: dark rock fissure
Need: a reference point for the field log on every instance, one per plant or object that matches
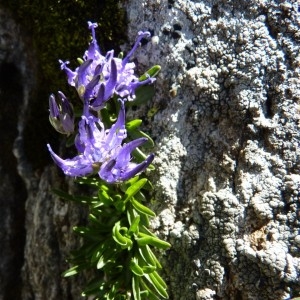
(12, 192)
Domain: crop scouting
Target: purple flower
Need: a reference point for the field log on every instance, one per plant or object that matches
(102, 151)
(99, 77)
(61, 114)
(120, 168)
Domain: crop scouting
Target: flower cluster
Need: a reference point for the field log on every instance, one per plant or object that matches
(101, 150)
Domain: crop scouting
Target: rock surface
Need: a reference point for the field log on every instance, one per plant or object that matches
(227, 134)
(225, 118)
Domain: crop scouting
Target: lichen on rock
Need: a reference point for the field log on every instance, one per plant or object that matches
(227, 133)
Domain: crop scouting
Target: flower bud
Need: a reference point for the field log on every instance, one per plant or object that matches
(61, 114)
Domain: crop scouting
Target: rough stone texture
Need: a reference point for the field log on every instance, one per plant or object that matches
(36, 227)
(12, 189)
(226, 123)
(227, 134)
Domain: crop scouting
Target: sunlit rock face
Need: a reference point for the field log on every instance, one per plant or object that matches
(226, 123)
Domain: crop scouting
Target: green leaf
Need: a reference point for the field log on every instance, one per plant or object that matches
(122, 240)
(131, 214)
(134, 227)
(88, 232)
(159, 279)
(151, 294)
(148, 256)
(135, 268)
(126, 184)
(142, 208)
(136, 287)
(153, 241)
(160, 289)
(98, 253)
(148, 269)
(74, 270)
(108, 256)
(134, 188)
(66, 196)
(94, 287)
(131, 125)
(120, 205)
(152, 72)
(104, 197)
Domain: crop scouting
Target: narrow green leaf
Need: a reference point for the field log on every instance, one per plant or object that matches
(145, 231)
(104, 197)
(152, 72)
(74, 270)
(142, 208)
(131, 214)
(97, 253)
(134, 188)
(136, 287)
(135, 268)
(153, 241)
(151, 294)
(134, 227)
(88, 232)
(123, 241)
(80, 199)
(161, 290)
(148, 269)
(159, 279)
(120, 205)
(131, 125)
(148, 256)
(94, 287)
(108, 256)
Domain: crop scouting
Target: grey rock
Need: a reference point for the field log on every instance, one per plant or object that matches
(227, 136)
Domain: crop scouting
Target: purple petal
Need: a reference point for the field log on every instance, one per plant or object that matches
(105, 172)
(111, 173)
(70, 74)
(77, 166)
(98, 102)
(109, 55)
(111, 82)
(92, 27)
(136, 84)
(66, 107)
(141, 35)
(124, 154)
(81, 79)
(79, 143)
(90, 87)
(93, 49)
(117, 133)
(98, 69)
(137, 169)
